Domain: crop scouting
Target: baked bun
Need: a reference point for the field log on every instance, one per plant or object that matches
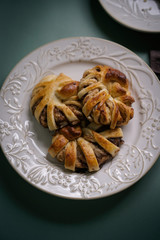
(84, 149)
(105, 97)
(54, 102)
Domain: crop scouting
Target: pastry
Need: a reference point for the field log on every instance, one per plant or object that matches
(54, 102)
(84, 149)
(105, 96)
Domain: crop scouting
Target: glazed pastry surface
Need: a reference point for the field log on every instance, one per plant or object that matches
(54, 102)
(84, 149)
(105, 96)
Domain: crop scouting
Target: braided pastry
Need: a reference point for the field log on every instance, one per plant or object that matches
(54, 102)
(105, 96)
(82, 148)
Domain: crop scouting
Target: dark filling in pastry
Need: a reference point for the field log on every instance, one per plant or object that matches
(77, 111)
(70, 132)
(43, 117)
(59, 116)
(101, 155)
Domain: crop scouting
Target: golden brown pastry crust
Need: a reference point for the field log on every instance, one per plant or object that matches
(57, 101)
(85, 149)
(105, 96)
(54, 101)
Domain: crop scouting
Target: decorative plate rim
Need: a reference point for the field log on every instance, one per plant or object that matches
(93, 184)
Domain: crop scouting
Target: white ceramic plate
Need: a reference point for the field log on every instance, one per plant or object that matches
(142, 15)
(25, 142)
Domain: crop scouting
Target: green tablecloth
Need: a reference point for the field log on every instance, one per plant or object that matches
(28, 213)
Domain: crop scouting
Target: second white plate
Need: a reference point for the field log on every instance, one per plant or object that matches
(136, 14)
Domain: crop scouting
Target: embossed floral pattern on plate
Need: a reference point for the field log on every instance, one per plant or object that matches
(25, 143)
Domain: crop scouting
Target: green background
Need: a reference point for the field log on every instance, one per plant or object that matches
(28, 213)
